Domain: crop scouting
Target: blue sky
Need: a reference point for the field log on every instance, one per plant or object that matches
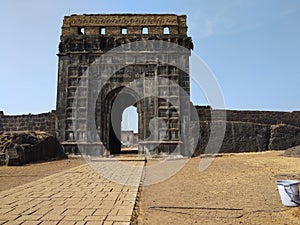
(253, 48)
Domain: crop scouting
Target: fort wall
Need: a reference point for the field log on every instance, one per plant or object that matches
(246, 131)
(251, 131)
(31, 122)
(261, 117)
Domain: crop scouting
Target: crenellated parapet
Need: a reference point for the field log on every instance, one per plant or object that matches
(100, 33)
(124, 24)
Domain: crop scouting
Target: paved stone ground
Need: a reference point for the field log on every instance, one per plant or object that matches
(76, 196)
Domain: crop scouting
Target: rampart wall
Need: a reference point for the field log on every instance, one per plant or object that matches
(262, 117)
(246, 131)
(39, 122)
(251, 131)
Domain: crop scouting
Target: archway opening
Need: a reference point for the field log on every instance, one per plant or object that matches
(120, 115)
(129, 130)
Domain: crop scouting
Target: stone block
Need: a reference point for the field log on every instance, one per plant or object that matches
(239, 137)
(284, 136)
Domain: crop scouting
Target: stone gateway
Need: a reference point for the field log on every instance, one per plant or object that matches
(143, 67)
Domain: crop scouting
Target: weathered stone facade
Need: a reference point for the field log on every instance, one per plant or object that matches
(84, 40)
(41, 122)
(253, 116)
(251, 131)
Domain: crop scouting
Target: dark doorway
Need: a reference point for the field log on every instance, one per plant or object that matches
(122, 101)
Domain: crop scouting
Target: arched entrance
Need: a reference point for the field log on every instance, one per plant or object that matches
(116, 102)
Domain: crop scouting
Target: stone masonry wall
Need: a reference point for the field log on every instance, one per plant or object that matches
(40, 122)
(246, 131)
(261, 117)
(251, 131)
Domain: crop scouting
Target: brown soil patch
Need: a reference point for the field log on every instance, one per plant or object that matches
(12, 176)
(292, 152)
(235, 189)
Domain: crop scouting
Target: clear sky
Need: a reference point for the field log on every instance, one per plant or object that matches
(252, 46)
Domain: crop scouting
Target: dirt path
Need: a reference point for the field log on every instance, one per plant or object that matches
(236, 189)
(12, 176)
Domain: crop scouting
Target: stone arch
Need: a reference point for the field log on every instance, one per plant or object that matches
(116, 101)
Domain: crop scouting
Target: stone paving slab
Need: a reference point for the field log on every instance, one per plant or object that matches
(76, 196)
